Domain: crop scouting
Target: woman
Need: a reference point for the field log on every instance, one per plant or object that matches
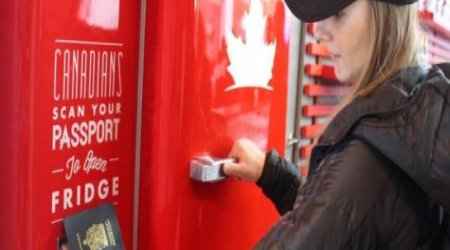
(382, 164)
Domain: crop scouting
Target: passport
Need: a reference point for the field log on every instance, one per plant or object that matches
(94, 229)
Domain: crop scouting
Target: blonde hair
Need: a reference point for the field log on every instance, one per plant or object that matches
(393, 45)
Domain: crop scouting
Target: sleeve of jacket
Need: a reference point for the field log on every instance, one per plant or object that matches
(279, 181)
(332, 203)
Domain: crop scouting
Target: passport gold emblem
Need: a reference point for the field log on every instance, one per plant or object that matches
(96, 238)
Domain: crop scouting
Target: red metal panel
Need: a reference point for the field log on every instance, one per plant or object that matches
(440, 25)
(310, 27)
(317, 49)
(432, 59)
(66, 63)
(209, 79)
(320, 70)
(437, 40)
(436, 50)
(304, 171)
(305, 151)
(322, 90)
(318, 110)
(311, 131)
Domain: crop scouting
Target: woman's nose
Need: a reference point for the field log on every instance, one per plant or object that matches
(321, 33)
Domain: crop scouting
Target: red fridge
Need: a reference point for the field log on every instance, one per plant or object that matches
(214, 71)
(68, 108)
(76, 118)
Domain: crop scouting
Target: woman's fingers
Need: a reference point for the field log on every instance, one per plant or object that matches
(250, 161)
(231, 169)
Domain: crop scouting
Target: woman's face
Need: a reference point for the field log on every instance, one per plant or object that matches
(346, 36)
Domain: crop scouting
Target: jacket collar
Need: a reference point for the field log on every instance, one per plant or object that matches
(388, 98)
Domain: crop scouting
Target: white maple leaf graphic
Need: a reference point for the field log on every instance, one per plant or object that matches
(100, 13)
(251, 63)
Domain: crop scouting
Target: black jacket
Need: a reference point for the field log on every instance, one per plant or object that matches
(376, 173)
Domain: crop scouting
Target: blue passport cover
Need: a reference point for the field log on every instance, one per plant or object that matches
(94, 229)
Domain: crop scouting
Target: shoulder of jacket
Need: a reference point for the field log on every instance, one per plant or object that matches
(352, 161)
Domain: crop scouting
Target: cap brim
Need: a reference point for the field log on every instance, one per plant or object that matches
(316, 10)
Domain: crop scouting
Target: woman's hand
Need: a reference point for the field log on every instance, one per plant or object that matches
(250, 161)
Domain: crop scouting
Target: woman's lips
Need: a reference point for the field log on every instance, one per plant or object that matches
(335, 56)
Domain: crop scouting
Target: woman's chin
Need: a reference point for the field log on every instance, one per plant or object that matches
(342, 76)
(339, 76)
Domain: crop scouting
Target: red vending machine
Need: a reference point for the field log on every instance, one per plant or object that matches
(68, 106)
(215, 71)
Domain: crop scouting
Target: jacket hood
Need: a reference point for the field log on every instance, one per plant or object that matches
(407, 120)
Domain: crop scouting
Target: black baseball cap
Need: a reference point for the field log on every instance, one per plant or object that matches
(316, 10)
